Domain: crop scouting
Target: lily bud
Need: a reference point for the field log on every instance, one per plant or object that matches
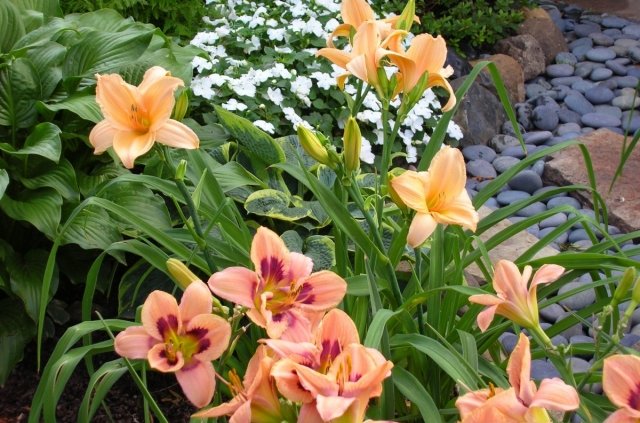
(635, 294)
(312, 145)
(181, 273)
(352, 145)
(625, 284)
(181, 170)
(407, 16)
(395, 172)
(182, 104)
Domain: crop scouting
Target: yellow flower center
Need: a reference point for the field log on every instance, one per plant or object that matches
(187, 344)
(139, 118)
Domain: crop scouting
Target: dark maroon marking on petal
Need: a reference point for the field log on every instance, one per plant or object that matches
(354, 377)
(171, 360)
(634, 398)
(168, 323)
(272, 269)
(305, 295)
(199, 334)
(330, 350)
(277, 317)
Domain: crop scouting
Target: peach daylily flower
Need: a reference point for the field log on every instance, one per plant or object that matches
(512, 299)
(282, 294)
(621, 384)
(437, 196)
(522, 402)
(425, 55)
(363, 61)
(136, 117)
(179, 338)
(256, 398)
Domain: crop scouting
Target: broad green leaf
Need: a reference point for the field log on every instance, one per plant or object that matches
(99, 174)
(321, 250)
(26, 279)
(105, 51)
(16, 330)
(43, 141)
(61, 177)
(41, 208)
(4, 181)
(232, 175)
(11, 24)
(92, 228)
(19, 90)
(84, 106)
(255, 141)
(275, 204)
(411, 388)
(47, 62)
(141, 201)
(46, 7)
(292, 240)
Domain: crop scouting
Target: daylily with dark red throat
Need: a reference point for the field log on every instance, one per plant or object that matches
(179, 338)
(437, 196)
(513, 300)
(256, 398)
(136, 117)
(621, 384)
(523, 402)
(282, 294)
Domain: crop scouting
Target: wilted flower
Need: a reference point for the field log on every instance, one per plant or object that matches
(437, 196)
(523, 402)
(512, 299)
(136, 117)
(282, 294)
(179, 338)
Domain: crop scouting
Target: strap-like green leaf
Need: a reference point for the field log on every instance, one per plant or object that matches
(411, 388)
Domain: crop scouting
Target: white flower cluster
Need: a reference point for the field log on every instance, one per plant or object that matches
(266, 57)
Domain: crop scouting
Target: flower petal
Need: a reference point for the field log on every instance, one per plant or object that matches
(337, 57)
(309, 414)
(290, 325)
(620, 377)
(410, 187)
(196, 299)
(546, 274)
(157, 97)
(485, 317)
(447, 177)
(235, 284)
(554, 394)
(242, 414)
(101, 136)
(336, 331)
(508, 283)
(300, 266)
(269, 255)
(428, 52)
(285, 372)
(321, 291)
(458, 212)
(421, 228)
(134, 342)
(622, 416)
(116, 98)
(519, 370)
(224, 409)
(198, 382)
(332, 407)
(177, 134)
(161, 315)
(355, 12)
(470, 401)
(485, 299)
(163, 362)
(130, 145)
(438, 80)
(212, 334)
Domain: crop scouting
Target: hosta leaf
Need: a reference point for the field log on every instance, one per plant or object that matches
(321, 250)
(293, 241)
(61, 177)
(41, 208)
(141, 201)
(84, 106)
(47, 60)
(26, 279)
(11, 24)
(92, 228)
(99, 174)
(16, 330)
(232, 175)
(267, 202)
(255, 141)
(43, 141)
(19, 90)
(105, 51)
(4, 181)
(46, 7)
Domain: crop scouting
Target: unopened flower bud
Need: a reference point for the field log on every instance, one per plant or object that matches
(312, 145)
(181, 170)
(392, 193)
(626, 281)
(352, 145)
(181, 273)
(407, 16)
(182, 104)
(635, 294)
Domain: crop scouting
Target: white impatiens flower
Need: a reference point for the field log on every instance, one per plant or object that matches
(285, 50)
(301, 86)
(201, 64)
(233, 105)
(202, 87)
(275, 95)
(369, 116)
(331, 25)
(454, 131)
(243, 87)
(295, 119)
(276, 34)
(279, 71)
(365, 152)
(315, 27)
(265, 126)
(325, 81)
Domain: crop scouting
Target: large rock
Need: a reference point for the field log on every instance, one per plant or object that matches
(510, 249)
(512, 75)
(480, 114)
(539, 25)
(567, 167)
(527, 51)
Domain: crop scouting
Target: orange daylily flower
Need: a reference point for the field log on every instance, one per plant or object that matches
(513, 300)
(621, 384)
(256, 398)
(136, 117)
(437, 196)
(282, 294)
(425, 55)
(363, 61)
(523, 402)
(179, 338)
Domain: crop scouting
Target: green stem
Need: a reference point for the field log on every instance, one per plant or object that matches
(418, 275)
